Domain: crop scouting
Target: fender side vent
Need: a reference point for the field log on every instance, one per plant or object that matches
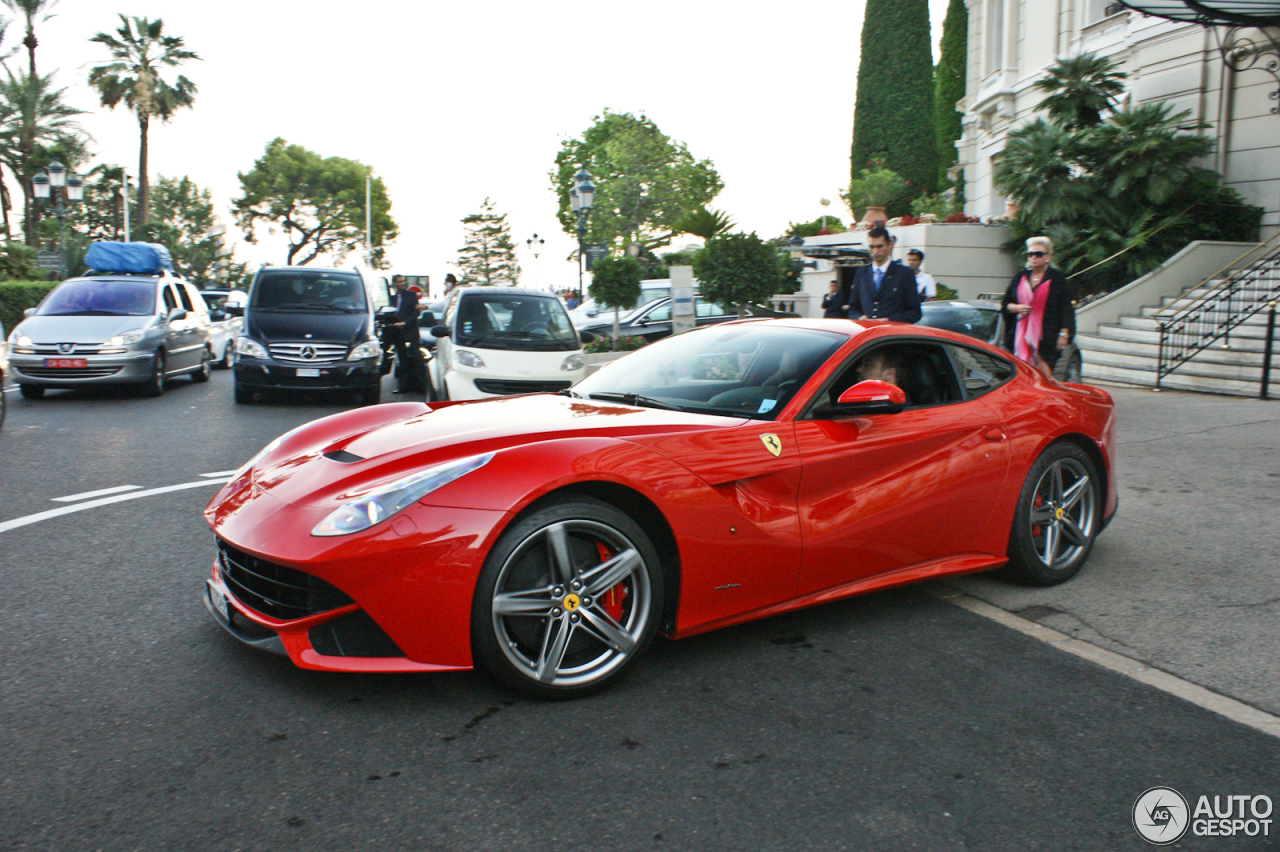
(343, 456)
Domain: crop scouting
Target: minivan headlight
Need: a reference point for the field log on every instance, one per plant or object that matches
(573, 362)
(371, 348)
(250, 347)
(469, 359)
(18, 339)
(376, 507)
(126, 339)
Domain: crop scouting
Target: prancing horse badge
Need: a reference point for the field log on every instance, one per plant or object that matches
(772, 444)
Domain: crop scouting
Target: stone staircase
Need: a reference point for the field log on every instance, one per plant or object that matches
(1127, 352)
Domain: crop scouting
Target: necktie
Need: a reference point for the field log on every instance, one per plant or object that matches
(879, 274)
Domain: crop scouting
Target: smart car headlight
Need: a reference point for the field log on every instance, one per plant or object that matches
(124, 339)
(469, 359)
(250, 347)
(377, 506)
(573, 362)
(369, 349)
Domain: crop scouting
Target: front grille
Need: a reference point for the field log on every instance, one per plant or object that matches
(70, 372)
(80, 349)
(506, 387)
(308, 353)
(274, 590)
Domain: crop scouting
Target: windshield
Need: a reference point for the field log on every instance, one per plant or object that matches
(962, 318)
(749, 370)
(96, 297)
(516, 321)
(309, 290)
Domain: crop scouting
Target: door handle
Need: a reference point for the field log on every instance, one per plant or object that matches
(995, 433)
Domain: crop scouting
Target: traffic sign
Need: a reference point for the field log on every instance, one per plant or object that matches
(48, 260)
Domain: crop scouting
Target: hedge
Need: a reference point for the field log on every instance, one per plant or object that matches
(17, 296)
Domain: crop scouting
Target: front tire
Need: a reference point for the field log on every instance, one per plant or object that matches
(155, 384)
(1058, 517)
(244, 394)
(568, 600)
(31, 391)
(371, 395)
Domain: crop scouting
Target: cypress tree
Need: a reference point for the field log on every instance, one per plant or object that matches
(893, 118)
(949, 79)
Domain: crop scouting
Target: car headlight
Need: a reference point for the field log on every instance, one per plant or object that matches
(573, 362)
(369, 349)
(20, 339)
(250, 347)
(129, 337)
(375, 507)
(469, 359)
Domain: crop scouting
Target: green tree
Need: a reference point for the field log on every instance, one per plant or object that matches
(18, 262)
(644, 181)
(948, 77)
(488, 255)
(735, 269)
(705, 222)
(140, 51)
(34, 116)
(1080, 89)
(318, 202)
(32, 12)
(893, 116)
(181, 217)
(615, 283)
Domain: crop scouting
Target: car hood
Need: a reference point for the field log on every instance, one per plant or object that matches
(79, 329)
(317, 326)
(334, 458)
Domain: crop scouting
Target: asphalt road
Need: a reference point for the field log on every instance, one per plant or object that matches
(890, 722)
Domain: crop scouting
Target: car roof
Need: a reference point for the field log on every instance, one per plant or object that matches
(981, 304)
(506, 291)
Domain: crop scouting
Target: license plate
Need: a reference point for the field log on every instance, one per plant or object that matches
(219, 602)
(312, 372)
(65, 362)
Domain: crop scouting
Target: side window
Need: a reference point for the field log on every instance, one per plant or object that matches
(170, 301)
(920, 369)
(708, 309)
(981, 372)
(191, 299)
(662, 313)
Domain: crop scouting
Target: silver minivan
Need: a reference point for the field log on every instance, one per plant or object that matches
(112, 329)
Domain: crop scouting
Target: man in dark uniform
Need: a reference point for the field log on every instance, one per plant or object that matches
(406, 325)
(886, 289)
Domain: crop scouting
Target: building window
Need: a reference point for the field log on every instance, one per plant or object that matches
(1096, 10)
(995, 35)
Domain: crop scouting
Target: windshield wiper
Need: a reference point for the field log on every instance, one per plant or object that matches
(85, 314)
(569, 392)
(634, 399)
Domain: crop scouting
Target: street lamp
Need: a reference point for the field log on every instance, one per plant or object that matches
(580, 199)
(535, 244)
(57, 177)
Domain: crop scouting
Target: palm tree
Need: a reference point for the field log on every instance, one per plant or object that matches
(140, 50)
(34, 11)
(32, 114)
(1080, 88)
(704, 222)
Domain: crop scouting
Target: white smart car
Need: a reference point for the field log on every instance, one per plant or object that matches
(497, 341)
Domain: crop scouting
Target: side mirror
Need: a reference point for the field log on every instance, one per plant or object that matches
(586, 336)
(869, 397)
(233, 310)
(29, 312)
(427, 318)
(440, 331)
(176, 314)
(386, 312)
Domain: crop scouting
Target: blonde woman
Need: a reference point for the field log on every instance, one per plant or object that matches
(1039, 318)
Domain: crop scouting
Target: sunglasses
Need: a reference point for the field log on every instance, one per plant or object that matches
(1037, 253)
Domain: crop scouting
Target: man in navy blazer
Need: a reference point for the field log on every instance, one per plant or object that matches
(886, 289)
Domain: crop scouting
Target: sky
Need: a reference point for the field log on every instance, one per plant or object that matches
(451, 103)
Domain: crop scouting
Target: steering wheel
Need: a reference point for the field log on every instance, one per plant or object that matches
(539, 328)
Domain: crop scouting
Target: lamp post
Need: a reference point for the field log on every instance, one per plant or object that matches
(535, 244)
(57, 177)
(580, 200)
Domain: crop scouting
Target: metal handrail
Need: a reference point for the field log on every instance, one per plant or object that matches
(1210, 318)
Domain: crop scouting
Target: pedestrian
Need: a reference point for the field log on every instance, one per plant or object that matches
(831, 303)
(1039, 318)
(924, 281)
(407, 343)
(885, 289)
(450, 281)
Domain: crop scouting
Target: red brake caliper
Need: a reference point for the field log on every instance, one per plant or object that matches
(612, 599)
(1035, 528)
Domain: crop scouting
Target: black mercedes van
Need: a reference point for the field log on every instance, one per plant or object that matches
(308, 329)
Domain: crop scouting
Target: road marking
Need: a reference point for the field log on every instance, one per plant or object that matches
(222, 473)
(1237, 711)
(87, 494)
(5, 526)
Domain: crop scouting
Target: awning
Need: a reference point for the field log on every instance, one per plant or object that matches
(1240, 13)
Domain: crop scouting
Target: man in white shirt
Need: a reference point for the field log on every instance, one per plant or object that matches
(924, 281)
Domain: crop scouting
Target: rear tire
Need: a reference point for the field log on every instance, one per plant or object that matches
(1058, 517)
(206, 367)
(31, 391)
(155, 384)
(228, 356)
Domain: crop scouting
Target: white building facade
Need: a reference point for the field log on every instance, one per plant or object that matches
(1013, 42)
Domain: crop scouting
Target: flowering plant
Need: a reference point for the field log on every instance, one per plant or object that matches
(875, 186)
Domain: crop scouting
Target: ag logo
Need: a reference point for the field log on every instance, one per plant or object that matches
(1161, 816)
(772, 444)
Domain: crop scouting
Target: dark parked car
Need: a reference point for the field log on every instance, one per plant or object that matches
(982, 319)
(653, 321)
(308, 329)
